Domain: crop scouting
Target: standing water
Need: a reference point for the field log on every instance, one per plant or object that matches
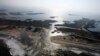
(58, 20)
(50, 46)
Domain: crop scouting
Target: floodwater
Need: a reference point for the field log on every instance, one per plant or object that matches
(50, 46)
(53, 28)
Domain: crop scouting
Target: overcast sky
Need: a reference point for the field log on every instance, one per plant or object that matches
(89, 6)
